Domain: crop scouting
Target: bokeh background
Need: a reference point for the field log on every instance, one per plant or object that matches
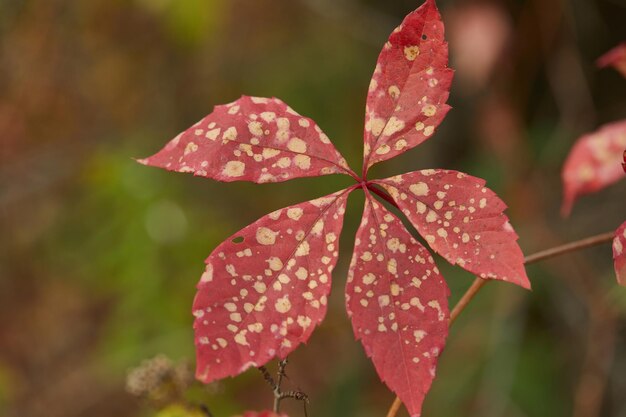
(99, 256)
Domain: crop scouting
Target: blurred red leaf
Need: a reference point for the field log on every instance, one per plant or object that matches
(252, 139)
(478, 34)
(619, 254)
(462, 220)
(615, 58)
(265, 288)
(408, 92)
(398, 303)
(593, 163)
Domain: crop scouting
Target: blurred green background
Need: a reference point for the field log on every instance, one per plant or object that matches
(99, 256)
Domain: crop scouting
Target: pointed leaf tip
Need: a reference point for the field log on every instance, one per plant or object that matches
(619, 254)
(252, 139)
(462, 220)
(594, 162)
(398, 303)
(409, 88)
(265, 288)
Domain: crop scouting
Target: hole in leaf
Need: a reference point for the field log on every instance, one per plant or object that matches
(238, 239)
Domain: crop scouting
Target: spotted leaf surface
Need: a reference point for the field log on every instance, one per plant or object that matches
(594, 162)
(619, 254)
(252, 139)
(411, 83)
(265, 288)
(398, 304)
(462, 220)
(615, 58)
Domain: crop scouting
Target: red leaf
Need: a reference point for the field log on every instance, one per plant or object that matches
(615, 58)
(265, 288)
(593, 163)
(252, 139)
(397, 301)
(619, 254)
(408, 92)
(462, 220)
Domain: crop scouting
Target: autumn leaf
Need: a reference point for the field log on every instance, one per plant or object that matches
(266, 287)
(408, 91)
(619, 254)
(594, 162)
(252, 139)
(398, 303)
(615, 58)
(462, 220)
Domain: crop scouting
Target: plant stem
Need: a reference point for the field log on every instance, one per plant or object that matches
(535, 257)
(570, 247)
(382, 194)
(394, 407)
(277, 392)
(466, 298)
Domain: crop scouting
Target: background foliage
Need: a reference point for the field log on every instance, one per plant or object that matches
(99, 256)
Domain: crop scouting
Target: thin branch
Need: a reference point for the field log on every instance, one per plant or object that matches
(570, 247)
(535, 257)
(394, 407)
(466, 298)
(279, 394)
(268, 378)
(382, 194)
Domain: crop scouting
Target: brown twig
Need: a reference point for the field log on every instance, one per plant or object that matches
(535, 257)
(570, 247)
(278, 395)
(276, 387)
(394, 407)
(466, 298)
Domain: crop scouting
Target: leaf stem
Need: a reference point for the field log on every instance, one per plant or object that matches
(381, 194)
(535, 257)
(353, 174)
(395, 407)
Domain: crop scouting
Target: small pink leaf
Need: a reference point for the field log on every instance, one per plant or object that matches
(615, 58)
(398, 304)
(619, 254)
(265, 288)
(411, 83)
(252, 139)
(593, 163)
(462, 220)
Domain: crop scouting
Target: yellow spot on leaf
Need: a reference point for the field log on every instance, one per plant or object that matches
(297, 145)
(266, 236)
(234, 169)
(411, 52)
